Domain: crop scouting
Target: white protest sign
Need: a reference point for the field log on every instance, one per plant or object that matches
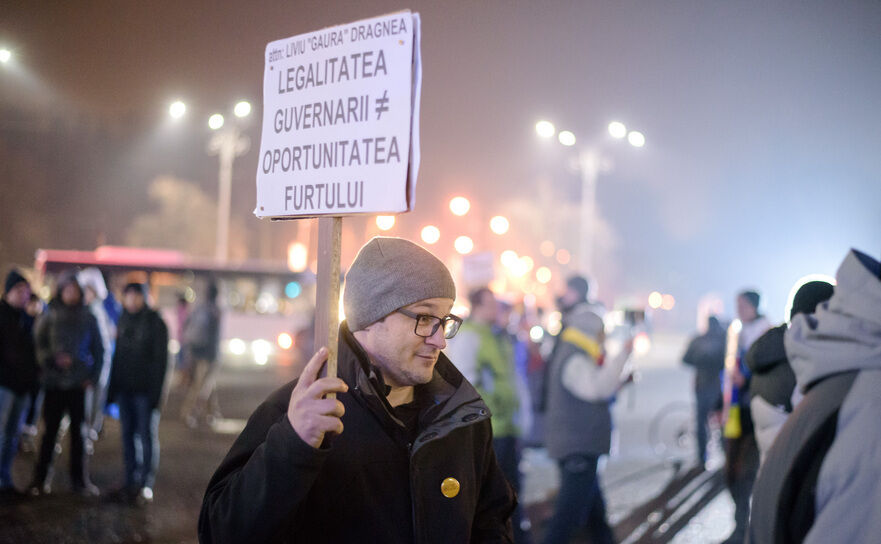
(341, 120)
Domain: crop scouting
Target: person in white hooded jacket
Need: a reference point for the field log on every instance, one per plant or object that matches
(839, 344)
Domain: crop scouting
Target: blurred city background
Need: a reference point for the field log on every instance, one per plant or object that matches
(675, 153)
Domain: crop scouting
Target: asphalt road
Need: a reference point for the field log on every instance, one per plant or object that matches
(188, 459)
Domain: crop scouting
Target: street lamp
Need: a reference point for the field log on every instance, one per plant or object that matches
(227, 143)
(215, 121)
(177, 109)
(430, 234)
(545, 129)
(460, 205)
(617, 130)
(5, 55)
(464, 245)
(590, 161)
(385, 222)
(242, 109)
(499, 224)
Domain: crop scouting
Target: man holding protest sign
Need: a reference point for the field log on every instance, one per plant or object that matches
(404, 454)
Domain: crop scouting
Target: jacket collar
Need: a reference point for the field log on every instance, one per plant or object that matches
(446, 393)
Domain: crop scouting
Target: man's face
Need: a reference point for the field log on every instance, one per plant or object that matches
(133, 301)
(745, 310)
(570, 297)
(404, 358)
(18, 296)
(71, 295)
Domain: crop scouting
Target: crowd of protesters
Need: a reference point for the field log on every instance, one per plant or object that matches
(811, 380)
(69, 362)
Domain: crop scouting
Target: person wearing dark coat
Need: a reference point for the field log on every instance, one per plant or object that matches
(138, 374)
(772, 385)
(18, 370)
(70, 352)
(706, 353)
(582, 387)
(201, 347)
(402, 455)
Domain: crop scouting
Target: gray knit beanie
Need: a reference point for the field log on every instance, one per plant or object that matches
(390, 273)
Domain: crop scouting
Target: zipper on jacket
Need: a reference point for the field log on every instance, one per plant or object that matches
(412, 471)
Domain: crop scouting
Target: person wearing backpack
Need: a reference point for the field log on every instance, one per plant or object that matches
(819, 481)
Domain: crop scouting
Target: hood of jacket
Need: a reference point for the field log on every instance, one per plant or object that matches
(768, 351)
(845, 332)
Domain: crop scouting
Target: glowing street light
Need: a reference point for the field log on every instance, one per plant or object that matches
(509, 258)
(285, 341)
(298, 256)
(636, 139)
(430, 234)
(385, 222)
(464, 245)
(543, 274)
(227, 144)
(177, 109)
(566, 138)
(617, 130)
(545, 129)
(460, 205)
(590, 164)
(242, 108)
(563, 256)
(5, 55)
(655, 300)
(668, 302)
(499, 224)
(215, 121)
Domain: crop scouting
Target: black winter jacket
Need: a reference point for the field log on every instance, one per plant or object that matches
(706, 353)
(141, 357)
(367, 484)
(772, 377)
(72, 330)
(18, 361)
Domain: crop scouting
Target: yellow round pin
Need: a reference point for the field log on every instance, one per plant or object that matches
(450, 487)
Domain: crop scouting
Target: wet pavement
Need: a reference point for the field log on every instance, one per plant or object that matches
(188, 459)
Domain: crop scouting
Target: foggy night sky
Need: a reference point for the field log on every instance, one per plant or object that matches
(763, 125)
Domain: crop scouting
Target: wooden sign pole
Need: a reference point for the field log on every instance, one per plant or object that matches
(327, 295)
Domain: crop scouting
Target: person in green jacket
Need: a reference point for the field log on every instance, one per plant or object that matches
(486, 359)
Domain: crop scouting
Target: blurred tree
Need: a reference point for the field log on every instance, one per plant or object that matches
(185, 218)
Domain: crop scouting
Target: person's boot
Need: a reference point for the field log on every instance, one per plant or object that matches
(145, 496)
(42, 481)
(39, 486)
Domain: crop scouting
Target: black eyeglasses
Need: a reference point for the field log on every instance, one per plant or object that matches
(427, 325)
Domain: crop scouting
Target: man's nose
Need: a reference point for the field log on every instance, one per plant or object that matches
(437, 339)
